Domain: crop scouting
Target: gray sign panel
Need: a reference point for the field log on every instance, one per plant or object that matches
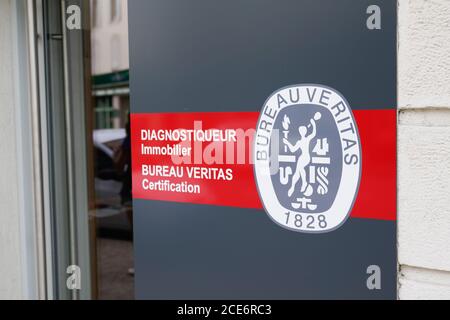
(230, 56)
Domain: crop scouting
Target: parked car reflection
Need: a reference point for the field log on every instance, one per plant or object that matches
(111, 212)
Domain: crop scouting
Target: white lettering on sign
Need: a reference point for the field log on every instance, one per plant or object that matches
(178, 160)
(189, 135)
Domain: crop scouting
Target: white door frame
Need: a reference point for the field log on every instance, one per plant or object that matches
(34, 281)
(51, 148)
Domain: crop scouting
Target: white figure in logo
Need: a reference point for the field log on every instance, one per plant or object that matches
(305, 157)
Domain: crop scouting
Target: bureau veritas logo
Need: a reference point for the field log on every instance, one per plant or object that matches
(307, 157)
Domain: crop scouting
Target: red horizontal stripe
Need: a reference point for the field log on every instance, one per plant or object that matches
(377, 193)
(377, 196)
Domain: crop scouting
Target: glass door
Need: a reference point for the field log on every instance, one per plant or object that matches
(84, 93)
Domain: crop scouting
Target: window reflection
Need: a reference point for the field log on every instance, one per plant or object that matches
(112, 154)
(115, 10)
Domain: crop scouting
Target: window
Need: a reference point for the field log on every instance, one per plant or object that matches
(94, 13)
(115, 53)
(116, 6)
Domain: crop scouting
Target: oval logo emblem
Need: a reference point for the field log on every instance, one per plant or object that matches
(307, 157)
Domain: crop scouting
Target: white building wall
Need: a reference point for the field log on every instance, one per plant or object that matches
(10, 245)
(424, 149)
(109, 38)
